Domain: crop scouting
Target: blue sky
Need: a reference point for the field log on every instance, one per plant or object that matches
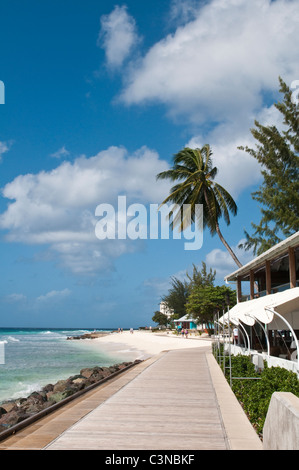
(98, 98)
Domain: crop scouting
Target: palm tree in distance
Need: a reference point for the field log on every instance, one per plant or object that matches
(194, 171)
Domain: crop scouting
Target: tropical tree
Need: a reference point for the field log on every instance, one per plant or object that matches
(194, 173)
(201, 278)
(160, 318)
(204, 302)
(278, 153)
(176, 297)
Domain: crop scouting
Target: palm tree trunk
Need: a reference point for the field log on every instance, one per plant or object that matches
(239, 264)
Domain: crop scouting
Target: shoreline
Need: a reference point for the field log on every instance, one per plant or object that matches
(143, 344)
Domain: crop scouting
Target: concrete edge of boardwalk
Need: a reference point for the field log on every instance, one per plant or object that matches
(240, 433)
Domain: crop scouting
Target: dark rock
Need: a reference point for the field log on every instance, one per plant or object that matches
(9, 405)
(37, 397)
(88, 336)
(30, 408)
(2, 411)
(86, 372)
(60, 386)
(57, 397)
(12, 418)
(48, 388)
(76, 377)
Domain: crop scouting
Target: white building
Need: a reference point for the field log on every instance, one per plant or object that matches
(166, 310)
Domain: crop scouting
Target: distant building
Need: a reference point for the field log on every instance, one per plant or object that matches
(166, 310)
(186, 323)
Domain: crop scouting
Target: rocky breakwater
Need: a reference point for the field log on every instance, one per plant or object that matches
(14, 412)
(93, 335)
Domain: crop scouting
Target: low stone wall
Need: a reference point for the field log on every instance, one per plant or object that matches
(281, 428)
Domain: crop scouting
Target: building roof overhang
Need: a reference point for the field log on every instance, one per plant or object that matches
(270, 254)
(185, 318)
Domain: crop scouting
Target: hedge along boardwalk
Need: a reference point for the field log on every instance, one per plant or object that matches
(181, 401)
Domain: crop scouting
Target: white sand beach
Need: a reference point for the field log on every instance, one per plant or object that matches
(143, 344)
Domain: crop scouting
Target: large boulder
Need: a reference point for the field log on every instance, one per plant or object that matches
(60, 386)
(13, 417)
(48, 388)
(87, 372)
(59, 396)
(8, 406)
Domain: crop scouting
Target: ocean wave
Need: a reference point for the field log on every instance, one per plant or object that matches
(13, 339)
(26, 389)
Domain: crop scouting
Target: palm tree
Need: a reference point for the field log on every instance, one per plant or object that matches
(194, 170)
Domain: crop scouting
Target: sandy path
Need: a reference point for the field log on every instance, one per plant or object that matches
(143, 344)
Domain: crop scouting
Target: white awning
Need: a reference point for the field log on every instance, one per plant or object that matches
(252, 310)
(185, 318)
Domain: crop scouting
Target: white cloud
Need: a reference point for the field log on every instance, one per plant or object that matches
(215, 73)
(54, 295)
(57, 208)
(4, 147)
(218, 65)
(62, 152)
(118, 36)
(237, 170)
(182, 11)
(222, 261)
(16, 298)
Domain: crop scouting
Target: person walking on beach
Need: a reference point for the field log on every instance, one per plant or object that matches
(186, 334)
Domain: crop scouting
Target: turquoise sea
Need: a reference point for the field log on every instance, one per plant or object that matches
(35, 357)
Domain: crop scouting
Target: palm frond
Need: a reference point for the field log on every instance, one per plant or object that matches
(194, 170)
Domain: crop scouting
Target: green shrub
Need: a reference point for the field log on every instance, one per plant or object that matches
(272, 379)
(254, 393)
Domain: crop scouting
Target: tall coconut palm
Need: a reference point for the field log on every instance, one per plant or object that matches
(194, 171)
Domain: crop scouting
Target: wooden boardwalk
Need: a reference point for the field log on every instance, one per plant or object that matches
(178, 400)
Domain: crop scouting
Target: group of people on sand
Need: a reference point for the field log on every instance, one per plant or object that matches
(184, 333)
